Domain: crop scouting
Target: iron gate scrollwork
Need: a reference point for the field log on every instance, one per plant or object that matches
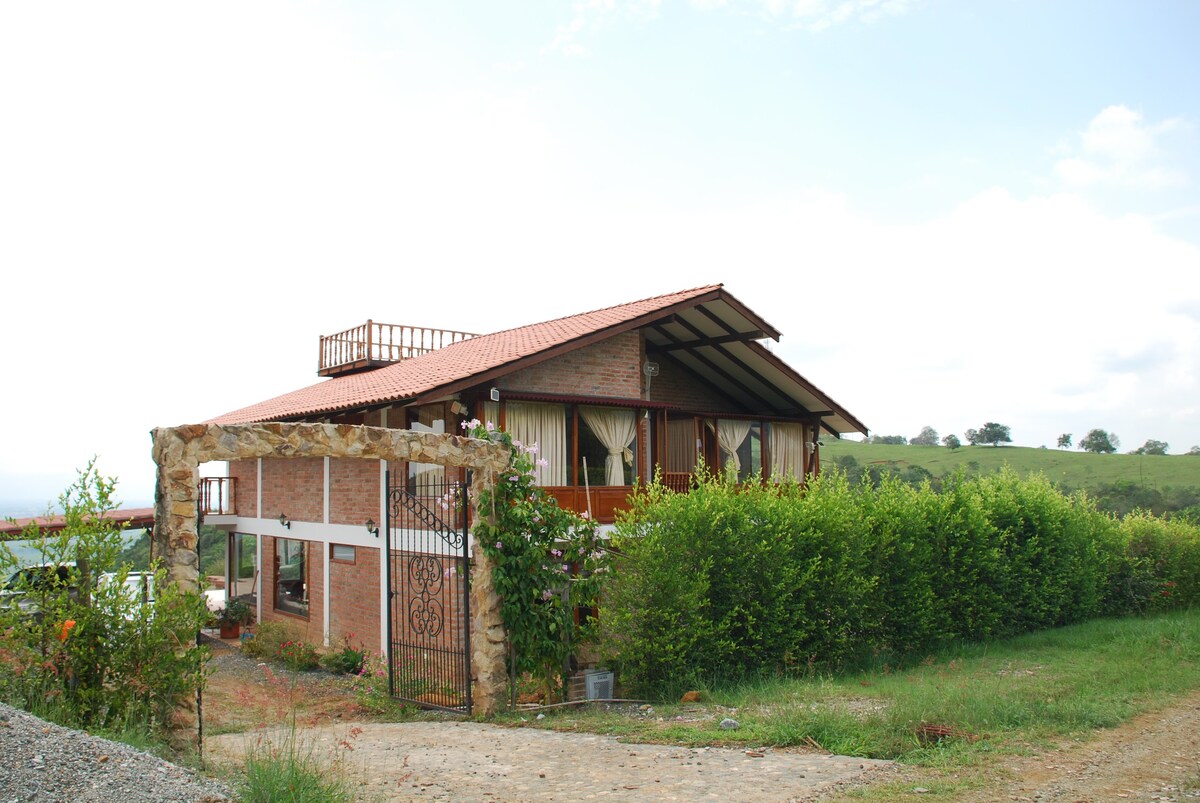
(428, 579)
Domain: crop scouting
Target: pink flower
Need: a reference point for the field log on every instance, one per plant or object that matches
(499, 545)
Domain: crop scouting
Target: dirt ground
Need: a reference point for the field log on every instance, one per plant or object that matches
(1154, 757)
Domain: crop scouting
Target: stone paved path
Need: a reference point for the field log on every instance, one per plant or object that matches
(474, 762)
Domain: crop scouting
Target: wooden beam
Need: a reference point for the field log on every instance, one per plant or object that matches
(708, 341)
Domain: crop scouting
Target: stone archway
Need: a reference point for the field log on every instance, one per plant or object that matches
(179, 451)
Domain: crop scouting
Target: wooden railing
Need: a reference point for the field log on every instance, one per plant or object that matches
(373, 345)
(216, 496)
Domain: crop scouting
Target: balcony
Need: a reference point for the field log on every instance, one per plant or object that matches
(216, 496)
(374, 345)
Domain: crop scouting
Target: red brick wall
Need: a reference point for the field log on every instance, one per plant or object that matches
(353, 490)
(354, 599)
(245, 486)
(610, 368)
(676, 384)
(295, 486)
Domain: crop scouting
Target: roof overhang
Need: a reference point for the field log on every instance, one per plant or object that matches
(718, 339)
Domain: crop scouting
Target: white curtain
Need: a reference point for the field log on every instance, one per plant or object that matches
(681, 445)
(616, 429)
(491, 412)
(730, 435)
(787, 451)
(545, 425)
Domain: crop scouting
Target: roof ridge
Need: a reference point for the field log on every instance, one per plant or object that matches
(690, 291)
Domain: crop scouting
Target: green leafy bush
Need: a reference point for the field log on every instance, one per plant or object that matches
(729, 580)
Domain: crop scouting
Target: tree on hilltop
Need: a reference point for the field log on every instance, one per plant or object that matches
(992, 433)
(1151, 447)
(951, 441)
(1064, 440)
(927, 437)
(1098, 441)
(888, 440)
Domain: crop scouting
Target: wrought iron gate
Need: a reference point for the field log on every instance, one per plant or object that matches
(428, 579)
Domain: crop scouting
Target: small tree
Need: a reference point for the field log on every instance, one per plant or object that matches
(1151, 447)
(973, 437)
(1064, 440)
(888, 440)
(1194, 451)
(1098, 441)
(927, 437)
(951, 441)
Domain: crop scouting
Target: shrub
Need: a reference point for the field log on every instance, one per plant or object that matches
(346, 659)
(730, 580)
(90, 654)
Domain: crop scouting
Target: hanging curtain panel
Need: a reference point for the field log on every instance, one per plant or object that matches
(491, 412)
(616, 429)
(730, 435)
(787, 451)
(681, 445)
(546, 426)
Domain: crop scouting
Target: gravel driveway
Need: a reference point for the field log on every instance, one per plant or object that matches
(45, 762)
(475, 762)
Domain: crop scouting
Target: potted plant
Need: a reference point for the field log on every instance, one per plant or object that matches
(231, 618)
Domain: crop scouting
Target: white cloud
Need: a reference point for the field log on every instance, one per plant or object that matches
(813, 15)
(589, 16)
(1120, 148)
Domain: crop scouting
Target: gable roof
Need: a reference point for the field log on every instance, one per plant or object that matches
(706, 328)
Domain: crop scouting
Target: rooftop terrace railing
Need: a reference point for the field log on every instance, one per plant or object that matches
(374, 345)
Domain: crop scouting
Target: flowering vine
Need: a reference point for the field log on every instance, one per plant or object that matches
(548, 562)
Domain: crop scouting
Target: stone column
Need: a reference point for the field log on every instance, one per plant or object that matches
(176, 496)
(489, 639)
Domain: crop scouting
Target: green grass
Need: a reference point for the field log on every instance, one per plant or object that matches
(1074, 468)
(1004, 697)
(291, 772)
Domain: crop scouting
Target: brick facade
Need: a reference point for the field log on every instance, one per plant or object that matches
(676, 385)
(245, 486)
(295, 487)
(354, 491)
(612, 368)
(354, 599)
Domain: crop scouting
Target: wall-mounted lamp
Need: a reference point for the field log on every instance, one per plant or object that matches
(285, 521)
(372, 527)
(494, 394)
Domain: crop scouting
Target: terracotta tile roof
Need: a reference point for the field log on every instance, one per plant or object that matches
(454, 364)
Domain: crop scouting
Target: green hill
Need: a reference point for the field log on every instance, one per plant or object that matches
(1160, 482)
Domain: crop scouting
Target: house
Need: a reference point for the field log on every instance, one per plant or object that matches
(611, 397)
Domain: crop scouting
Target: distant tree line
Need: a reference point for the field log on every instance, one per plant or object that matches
(1097, 441)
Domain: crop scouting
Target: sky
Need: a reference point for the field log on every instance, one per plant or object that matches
(956, 212)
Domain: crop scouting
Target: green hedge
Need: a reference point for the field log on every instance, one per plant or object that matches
(731, 580)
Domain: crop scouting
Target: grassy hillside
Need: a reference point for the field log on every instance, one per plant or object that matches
(1072, 468)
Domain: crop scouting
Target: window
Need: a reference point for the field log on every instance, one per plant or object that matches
(342, 553)
(608, 443)
(244, 569)
(291, 576)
